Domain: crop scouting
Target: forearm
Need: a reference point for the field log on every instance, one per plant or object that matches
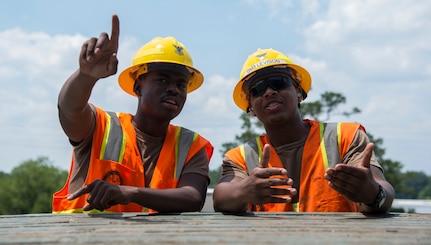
(183, 199)
(75, 114)
(227, 198)
(390, 195)
(75, 93)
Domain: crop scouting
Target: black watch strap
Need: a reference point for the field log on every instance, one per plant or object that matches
(380, 198)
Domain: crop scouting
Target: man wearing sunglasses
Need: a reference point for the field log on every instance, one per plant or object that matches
(299, 165)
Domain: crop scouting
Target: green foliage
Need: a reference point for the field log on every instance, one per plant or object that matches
(29, 188)
(214, 176)
(326, 106)
(425, 193)
(5, 193)
(392, 169)
(252, 128)
(413, 183)
(408, 185)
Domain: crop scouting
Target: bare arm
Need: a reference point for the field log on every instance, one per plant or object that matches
(189, 196)
(97, 59)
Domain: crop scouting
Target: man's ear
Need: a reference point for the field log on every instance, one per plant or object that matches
(300, 97)
(250, 111)
(299, 94)
(137, 87)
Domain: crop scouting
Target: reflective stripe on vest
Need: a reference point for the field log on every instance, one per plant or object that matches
(329, 145)
(184, 139)
(114, 140)
(114, 143)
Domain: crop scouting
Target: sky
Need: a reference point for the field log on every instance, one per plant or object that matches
(376, 53)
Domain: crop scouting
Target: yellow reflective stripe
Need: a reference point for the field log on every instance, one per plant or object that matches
(242, 151)
(105, 136)
(295, 207)
(69, 211)
(339, 138)
(259, 148)
(123, 146)
(323, 147)
(177, 136)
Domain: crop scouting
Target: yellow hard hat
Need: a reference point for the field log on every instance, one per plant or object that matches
(264, 58)
(159, 51)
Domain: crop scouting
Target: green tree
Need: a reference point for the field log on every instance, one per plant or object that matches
(413, 183)
(30, 187)
(326, 106)
(391, 168)
(322, 110)
(251, 127)
(425, 193)
(214, 176)
(4, 192)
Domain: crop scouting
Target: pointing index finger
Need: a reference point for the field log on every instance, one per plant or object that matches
(83, 190)
(115, 32)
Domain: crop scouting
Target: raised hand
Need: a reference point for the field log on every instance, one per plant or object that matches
(264, 184)
(98, 57)
(356, 183)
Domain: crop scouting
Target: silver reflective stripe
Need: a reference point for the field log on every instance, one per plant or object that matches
(115, 139)
(251, 154)
(330, 138)
(184, 143)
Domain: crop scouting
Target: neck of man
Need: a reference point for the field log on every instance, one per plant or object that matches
(287, 132)
(150, 125)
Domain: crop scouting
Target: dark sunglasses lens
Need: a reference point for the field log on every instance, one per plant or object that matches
(259, 88)
(278, 83)
(275, 83)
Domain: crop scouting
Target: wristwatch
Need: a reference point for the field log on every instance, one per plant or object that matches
(380, 199)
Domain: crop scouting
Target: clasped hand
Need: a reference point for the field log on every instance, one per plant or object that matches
(267, 185)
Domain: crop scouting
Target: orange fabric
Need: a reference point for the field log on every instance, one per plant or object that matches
(315, 194)
(131, 171)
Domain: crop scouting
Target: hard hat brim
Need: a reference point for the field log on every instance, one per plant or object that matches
(127, 81)
(240, 98)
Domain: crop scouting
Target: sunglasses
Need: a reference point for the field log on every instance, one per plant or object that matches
(276, 83)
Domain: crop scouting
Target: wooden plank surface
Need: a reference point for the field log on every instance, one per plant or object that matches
(216, 228)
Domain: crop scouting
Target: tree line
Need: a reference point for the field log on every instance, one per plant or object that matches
(408, 185)
(30, 185)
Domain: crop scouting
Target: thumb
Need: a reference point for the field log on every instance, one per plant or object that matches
(265, 156)
(366, 156)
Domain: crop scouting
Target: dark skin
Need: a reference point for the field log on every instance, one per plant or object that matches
(161, 97)
(278, 111)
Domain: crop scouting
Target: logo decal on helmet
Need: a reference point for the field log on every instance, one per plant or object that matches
(178, 49)
(262, 63)
(261, 56)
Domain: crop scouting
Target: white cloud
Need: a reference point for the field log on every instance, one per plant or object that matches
(376, 53)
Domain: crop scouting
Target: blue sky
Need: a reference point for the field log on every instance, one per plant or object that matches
(375, 52)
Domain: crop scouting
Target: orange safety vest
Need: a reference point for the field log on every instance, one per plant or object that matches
(115, 158)
(324, 147)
